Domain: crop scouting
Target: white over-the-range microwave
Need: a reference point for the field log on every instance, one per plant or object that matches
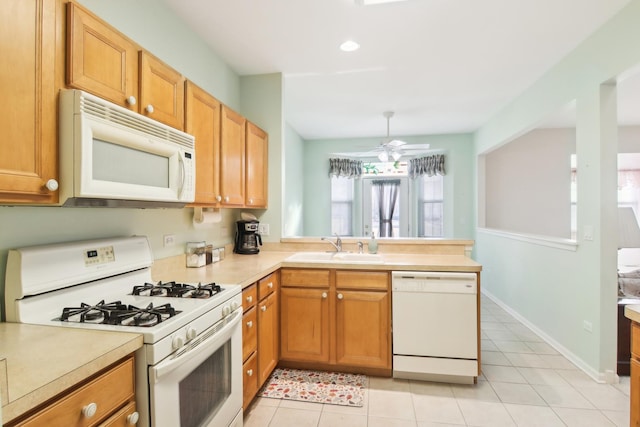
(114, 157)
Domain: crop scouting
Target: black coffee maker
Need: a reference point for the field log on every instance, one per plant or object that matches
(247, 237)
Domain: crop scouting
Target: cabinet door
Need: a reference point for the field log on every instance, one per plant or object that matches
(363, 335)
(256, 164)
(232, 142)
(161, 91)
(29, 87)
(267, 336)
(304, 324)
(635, 393)
(202, 120)
(249, 380)
(249, 333)
(100, 60)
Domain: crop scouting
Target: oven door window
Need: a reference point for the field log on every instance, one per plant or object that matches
(205, 390)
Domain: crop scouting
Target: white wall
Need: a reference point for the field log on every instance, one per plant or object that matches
(556, 289)
(528, 183)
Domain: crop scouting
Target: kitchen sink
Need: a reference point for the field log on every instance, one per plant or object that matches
(311, 256)
(335, 257)
(354, 257)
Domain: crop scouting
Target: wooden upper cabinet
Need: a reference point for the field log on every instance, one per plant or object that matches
(30, 77)
(202, 120)
(232, 155)
(104, 62)
(257, 167)
(100, 60)
(161, 91)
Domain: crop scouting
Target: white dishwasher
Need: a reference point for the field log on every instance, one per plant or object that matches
(435, 326)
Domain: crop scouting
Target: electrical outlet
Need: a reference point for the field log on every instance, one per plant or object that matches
(263, 229)
(169, 240)
(587, 326)
(588, 232)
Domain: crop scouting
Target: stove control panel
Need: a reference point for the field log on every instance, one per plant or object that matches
(97, 256)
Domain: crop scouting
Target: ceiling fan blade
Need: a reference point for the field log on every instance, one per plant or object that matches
(395, 143)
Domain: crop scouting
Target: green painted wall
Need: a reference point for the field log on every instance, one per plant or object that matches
(459, 181)
(293, 179)
(556, 290)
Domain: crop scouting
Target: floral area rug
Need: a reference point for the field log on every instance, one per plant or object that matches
(316, 386)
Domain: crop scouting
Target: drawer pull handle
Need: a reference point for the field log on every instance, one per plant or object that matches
(250, 324)
(132, 419)
(249, 299)
(90, 410)
(270, 285)
(263, 308)
(250, 372)
(324, 295)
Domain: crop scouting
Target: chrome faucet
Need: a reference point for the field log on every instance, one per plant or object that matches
(337, 244)
(360, 247)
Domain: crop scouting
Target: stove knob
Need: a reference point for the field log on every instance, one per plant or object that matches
(177, 342)
(191, 333)
(226, 310)
(234, 305)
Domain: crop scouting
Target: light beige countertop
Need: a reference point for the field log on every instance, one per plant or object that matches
(39, 362)
(244, 270)
(632, 312)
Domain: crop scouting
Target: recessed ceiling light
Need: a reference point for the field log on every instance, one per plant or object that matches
(349, 46)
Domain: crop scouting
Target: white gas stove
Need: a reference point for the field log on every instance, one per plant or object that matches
(192, 334)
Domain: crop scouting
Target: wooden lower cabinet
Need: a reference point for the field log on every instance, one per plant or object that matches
(304, 317)
(111, 394)
(261, 340)
(336, 319)
(635, 375)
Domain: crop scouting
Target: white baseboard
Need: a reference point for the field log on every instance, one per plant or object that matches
(608, 377)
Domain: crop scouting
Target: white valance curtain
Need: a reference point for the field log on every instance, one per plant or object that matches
(345, 168)
(429, 165)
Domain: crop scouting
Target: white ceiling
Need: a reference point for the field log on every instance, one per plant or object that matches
(443, 66)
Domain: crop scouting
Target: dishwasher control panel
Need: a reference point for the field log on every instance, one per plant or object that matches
(427, 281)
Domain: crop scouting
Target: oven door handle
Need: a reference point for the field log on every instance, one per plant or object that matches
(200, 347)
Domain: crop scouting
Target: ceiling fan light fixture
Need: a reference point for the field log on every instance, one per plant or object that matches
(395, 155)
(383, 156)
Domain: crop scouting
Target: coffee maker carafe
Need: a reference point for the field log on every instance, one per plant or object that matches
(247, 237)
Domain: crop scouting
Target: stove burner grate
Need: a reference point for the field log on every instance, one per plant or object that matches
(116, 313)
(177, 290)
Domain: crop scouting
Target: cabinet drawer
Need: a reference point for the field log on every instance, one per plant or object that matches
(249, 380)
(249, 333)
(249, 297)
(109, 391)
(300, 277)
(376, 280)
(267, 285)
(635, 340)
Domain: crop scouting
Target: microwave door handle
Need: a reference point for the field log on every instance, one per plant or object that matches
(183, 176)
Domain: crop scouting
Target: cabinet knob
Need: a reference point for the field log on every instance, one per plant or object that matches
(149, 109)
(340, 296)
(250, 324)
(250, 299)
(218, 198)
(270, 285)
(263, 308)
(324, 295)
(90, 410)
(131, 100)
(226, 199)
(250, 201)
(132, 419)
(52, 185)
(250, 372)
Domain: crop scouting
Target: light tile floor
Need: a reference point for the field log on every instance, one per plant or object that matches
(525, 382)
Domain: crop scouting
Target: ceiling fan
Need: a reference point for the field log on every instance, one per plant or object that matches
(390, 149)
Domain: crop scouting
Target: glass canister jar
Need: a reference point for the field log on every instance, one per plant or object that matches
(196, 254)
